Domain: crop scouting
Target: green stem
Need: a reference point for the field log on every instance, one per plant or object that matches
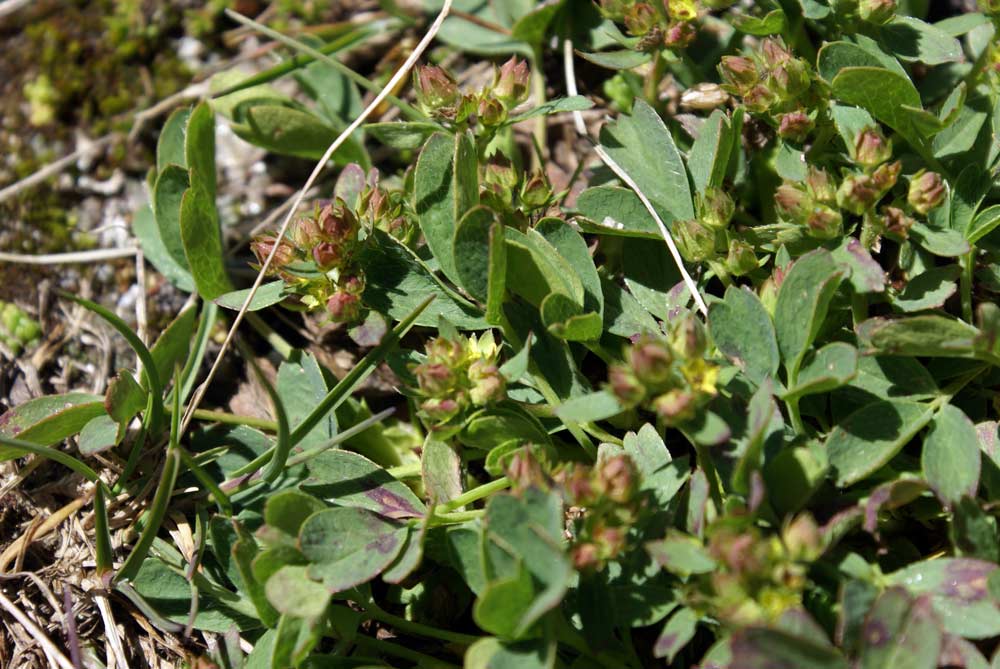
(968, 263)
(455, 517)
(475, 494)
(277, 342)
(221, 499)
(210, 416)
(407, 471)
(795, 415)
(375, 612)
(538, 93)
(395, 650)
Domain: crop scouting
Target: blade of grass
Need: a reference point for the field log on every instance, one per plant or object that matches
(405, 108)
(372, 106)
(221, 498)
(154, 410)
(102, 535)
(15, 448)
(284, 445)
(209, 315)
(299, 61)
(161, 500)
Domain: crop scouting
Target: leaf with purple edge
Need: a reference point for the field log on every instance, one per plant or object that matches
(348, 479)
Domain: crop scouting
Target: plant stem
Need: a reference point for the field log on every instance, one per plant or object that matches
(277, 342)
(475, 494)
(455, 517)
(968, 263)
(233, 419)
(407, 471)
(375, 612)
(389, 648)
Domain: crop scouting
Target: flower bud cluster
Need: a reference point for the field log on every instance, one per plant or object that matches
(457, 375)
(703, 237)
(772, 83)
(17, 329)
(811, 205)
(388, 210)
(757, 577)
(318, 261)
(657, 23)
(670, 377)
(607, 503)
(513, 194)
(438, 94)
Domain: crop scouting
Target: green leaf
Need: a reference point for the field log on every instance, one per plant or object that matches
(865, 274)
(301, 387)
(492, 653)
(292, 132)
(900, 632)
(50, 419)
(941, 242)
(772, 23)
(643, 146)
(488, 428)
(396, 282)
(349, 546)
(573, 248)
(590, 408)
(766, 648)
(147, 231)
(651, 275)
(441, 194)
(267, 295)
(928, 290)
(504, 602)
(441, 471)
(339, 101)
(526, 528)
(170, 143)
(835, 56)
(99, 434)
(830, 367)
(615, 211)
(171, 183)
(496, 282)
(868, 438)
(200, 233)
(960, 24)
(950, 458)
(890, 97)
(557, 106)
(931, 336)
(532, 26)
(681, 555)
(621, 59)
(471, 251)
(910, 39)
(708, 159)
(984, 223)
(729, 321)
(199, 148)
(958, 589)
(676, 634)
(404, 135)
(287, 510)
(173, 345)
(290, 591)
(661, 475)
(351, 480)
(802, 304)
(477, 39)
(971, 187)
(535, 269)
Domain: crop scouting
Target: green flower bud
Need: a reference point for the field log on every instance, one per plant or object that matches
(792, 202)
(305, 233)
(511, 82)
(927, 191)
(617, 478)
(695, 241)
(876, 11)
(871, 148)
(344, 307)
(715, 208)
(896, 222)
(491, 112)
(650, 359)
(435, 89)
(885, 177)
(640, 19)
(790, 79)
(688, 338)
(857, 193)
(802, 538)
(824, 222)
(821, 185)
(989, 6)
(739, 73)
(613, 9)
(536, 193)
(795, 126)
(760, 98)
(768, 294)
(487, 384)
(741, 258)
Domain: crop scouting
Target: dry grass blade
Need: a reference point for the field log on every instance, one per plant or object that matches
(51, 650)
(96, 255)
(581, 128)
(348, 131)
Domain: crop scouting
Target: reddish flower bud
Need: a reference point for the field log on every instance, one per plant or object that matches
(821, 185)
(792, 202)
(824, 222)
(741, 258)
(795, 126)
(511, 82)
(343, 307)
(679, 35)
(759, 99)
(739, 73)
(576, 484)
(440, 410)
(434, 378)
(586, 557)
(857, 193)
(305, 233)
(338, 222)
(435, 89)
(327, 255)
(625, 386)
(802, 538)
(640, 19)
(896, 222)
(650, 359)
(790, 79)
(927, 191)
(262, 247)
(618, 478)
(885, 176)
(491, 112)
(675, 406)
(871, 148)
(774, 52)
(525, 471)
(487, 384)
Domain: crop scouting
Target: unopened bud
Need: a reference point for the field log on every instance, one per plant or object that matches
(695, 241)
(440, 410)
(625, 386)
(491, 112)
(896, 222)
(675, 406)
(821, 185)
(511, 82)
(759, 98)
(824, 222)
(305, 233)
(343, 307)
(262, 247)
(876, 11)
(795, 126)
(741, 258)
(640, 19)
(327, 255)
(989, 6)
(536, 193)
(577, 485)
(789, 79)
(885, 176)
(688, 338)
(774, 52)
(715, 208)
(434, 378)
(738, 72)
(871, 148)
(338, 222)
(487, 383)
(857, 193)
(586, 557)
(768, 294)
(679, 35)
(613, 9)
(618, 478)
(802, 538)
(792, 202)
(524, 470)
(435, 89)
(704, 97)
(927, 190)
(650, 359)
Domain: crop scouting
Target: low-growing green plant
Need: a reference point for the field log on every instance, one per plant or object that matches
(583, 470)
